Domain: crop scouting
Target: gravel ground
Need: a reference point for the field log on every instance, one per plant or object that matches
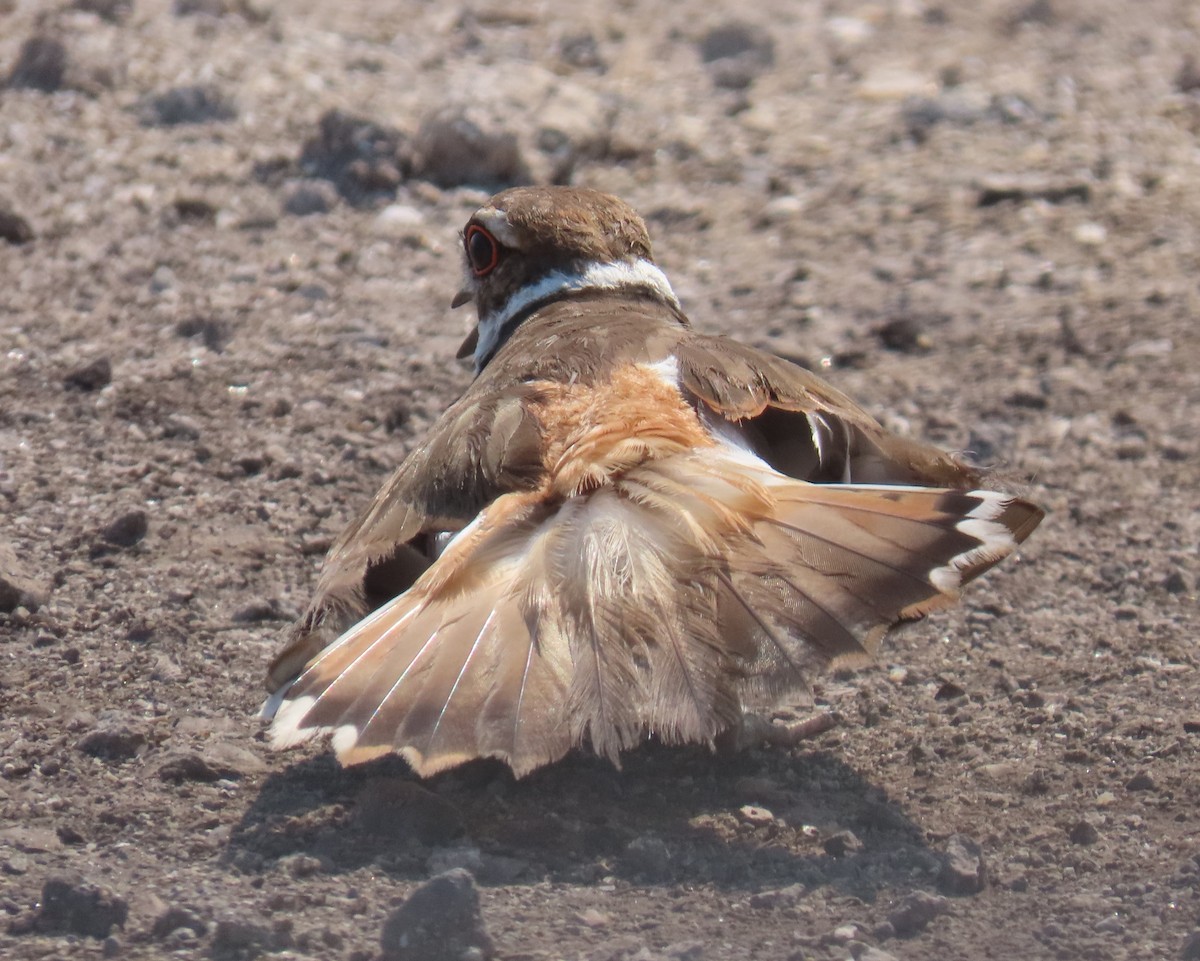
(227, 246)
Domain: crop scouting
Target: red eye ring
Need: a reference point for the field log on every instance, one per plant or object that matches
(483, 253)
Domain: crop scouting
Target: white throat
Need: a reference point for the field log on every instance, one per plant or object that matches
(640, 274)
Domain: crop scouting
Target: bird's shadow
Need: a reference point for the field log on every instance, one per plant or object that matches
(758, 820)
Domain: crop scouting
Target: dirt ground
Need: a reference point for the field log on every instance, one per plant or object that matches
(221, 331)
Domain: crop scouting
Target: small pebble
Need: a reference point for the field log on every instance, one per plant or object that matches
(755, 815)
(842, 843)
(1142, 781)
(14, 229)
(187, 105)
(1084, 832)
(306, 198)
(41, 64)
(91, 376)
(915, 911)
(1091, 234)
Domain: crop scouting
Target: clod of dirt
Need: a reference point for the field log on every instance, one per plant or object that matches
(18, 588)
(305, 198)
(14, 229)
(1175, 583)
(915, 911)
(113, 11)
(737, 53)
(41, 64)
(195, 210)
(458, 147)
(1142, 781)
(189, 767)
(1084, 832)
(182, 105)
(1021, 189)
(779, 898)
(246, 9)
(582, 51)
(174, 918)
(90, 376)
(213, 333)
(904, 335)
(238, 940)
(842, 843)
(921, 114)
(112, 743)
(963, 869)
(71, 905)
(390, 807)
(365, 160)
(125, 530)
(440, 921)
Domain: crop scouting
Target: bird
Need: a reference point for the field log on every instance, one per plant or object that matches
(624, 529)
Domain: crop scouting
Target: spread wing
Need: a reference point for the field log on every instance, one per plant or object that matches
(802, 426)
(484, 445)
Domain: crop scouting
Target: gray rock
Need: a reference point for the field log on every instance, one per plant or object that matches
(1083, 832)
(14, 229)
(904, 335)
(459, 146)
(1176, 583)
(787, 897)
(73, 906)
(112, 743)
(842, 843)
(126, 529)
(737, 53)
(304, 198)
(90, 376)
(915, 911)
(17, 587)
(41, 64)
(440, 921)
(114, 11)
(364, 160)
(301, 865)
(184, 105)
(188, 767)
(963, 869)
(1142, 781)
(175, 918)
(1191, 947)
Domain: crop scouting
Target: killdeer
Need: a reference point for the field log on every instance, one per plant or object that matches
(623, 528)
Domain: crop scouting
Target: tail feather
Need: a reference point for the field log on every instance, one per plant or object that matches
(668, 601)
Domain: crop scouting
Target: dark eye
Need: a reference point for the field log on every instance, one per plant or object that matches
(482, 250)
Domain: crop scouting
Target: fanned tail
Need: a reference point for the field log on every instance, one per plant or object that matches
(692, 586)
